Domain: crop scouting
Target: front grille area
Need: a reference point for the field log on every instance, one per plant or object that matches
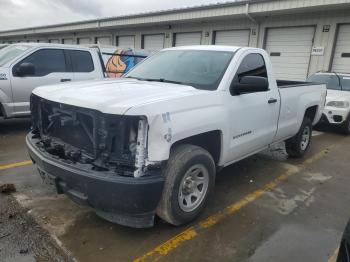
(86, 136)
(337, 118)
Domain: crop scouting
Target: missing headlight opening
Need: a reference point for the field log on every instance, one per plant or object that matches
(90, 138)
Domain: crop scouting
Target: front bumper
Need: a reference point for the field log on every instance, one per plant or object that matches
(334, 116)
(127, 201)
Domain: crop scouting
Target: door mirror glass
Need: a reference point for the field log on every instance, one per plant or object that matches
(26, 69)
(250, 84)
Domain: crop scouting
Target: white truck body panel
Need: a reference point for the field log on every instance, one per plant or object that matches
(247, 122)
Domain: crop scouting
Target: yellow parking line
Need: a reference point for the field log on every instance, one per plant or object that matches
(18, 164)
(334, 257)
(192, 232)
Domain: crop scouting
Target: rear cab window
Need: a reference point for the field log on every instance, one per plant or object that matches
(81, 61)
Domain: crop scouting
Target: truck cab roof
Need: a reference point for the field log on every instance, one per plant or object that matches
(33, 44)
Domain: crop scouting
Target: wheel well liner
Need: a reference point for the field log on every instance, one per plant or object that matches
(2, 111)
(210, 141)
(311, 113)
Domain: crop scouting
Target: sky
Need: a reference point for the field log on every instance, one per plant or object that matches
(28, 13)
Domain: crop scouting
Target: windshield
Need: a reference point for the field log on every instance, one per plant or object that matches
(11, 52)
(331, 81)
(201, 69)
(334, 82)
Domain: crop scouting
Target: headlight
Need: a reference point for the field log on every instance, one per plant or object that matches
(339, 104)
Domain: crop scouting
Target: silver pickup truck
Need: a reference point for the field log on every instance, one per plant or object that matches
(25, 66)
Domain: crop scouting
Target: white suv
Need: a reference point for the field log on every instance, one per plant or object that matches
(337, 110)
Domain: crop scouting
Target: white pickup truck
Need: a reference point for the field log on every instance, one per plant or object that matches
(152, 142)
(25, 66)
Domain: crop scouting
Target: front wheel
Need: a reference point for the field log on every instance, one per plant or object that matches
(298, 145)
(190, 177)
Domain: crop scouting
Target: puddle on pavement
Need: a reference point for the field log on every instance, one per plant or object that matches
(296, 243)
(21, 258)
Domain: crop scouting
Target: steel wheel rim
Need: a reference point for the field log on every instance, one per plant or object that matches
(305, 138)
(193, 188)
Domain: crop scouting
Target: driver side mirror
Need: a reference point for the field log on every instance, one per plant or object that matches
(25, 69)
(249, 84)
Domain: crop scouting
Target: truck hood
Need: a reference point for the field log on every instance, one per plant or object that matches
(113, 96)
(336, 95)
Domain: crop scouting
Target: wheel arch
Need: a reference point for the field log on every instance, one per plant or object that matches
(210, 141)
(311, 112)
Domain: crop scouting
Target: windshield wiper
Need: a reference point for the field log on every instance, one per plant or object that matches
(163, 80)
(133, 77)
(157, 80)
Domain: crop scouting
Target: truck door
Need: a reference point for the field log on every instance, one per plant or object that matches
(83, 65)
(253, 113)
(42, 67)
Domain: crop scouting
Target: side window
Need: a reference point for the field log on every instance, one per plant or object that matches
(345, 82)
(45, 61)
(251, 65)
(81, 61)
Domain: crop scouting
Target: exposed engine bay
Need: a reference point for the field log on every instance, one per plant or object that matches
(78, 135)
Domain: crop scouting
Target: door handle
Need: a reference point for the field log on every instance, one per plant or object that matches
(272, 100)
(66, 80)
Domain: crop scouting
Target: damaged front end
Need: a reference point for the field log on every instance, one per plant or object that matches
(96, 159)
(79, 135)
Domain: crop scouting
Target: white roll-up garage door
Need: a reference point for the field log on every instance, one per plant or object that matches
(341, 59)
(290, 51)
(126, 41)
(191, 38)
(84, 40)
(232, 37)
(54, 41)
(67, 41)
(103, 40)
(153, 42)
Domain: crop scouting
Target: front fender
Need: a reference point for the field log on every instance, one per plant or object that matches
(168, 128)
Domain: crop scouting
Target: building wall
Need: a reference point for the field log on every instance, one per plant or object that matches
(258, 27)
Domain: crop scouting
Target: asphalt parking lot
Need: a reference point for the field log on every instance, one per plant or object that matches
(265, 208)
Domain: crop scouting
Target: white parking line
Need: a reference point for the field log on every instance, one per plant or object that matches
(317, 133)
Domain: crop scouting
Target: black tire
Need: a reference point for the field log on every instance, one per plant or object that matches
(345, 128)
(296, 146)
(182, 159)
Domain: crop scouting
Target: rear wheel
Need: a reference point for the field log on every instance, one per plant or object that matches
(190, 177)
(299, 144)
(345, 128)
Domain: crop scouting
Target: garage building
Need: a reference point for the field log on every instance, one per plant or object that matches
(301, 36)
